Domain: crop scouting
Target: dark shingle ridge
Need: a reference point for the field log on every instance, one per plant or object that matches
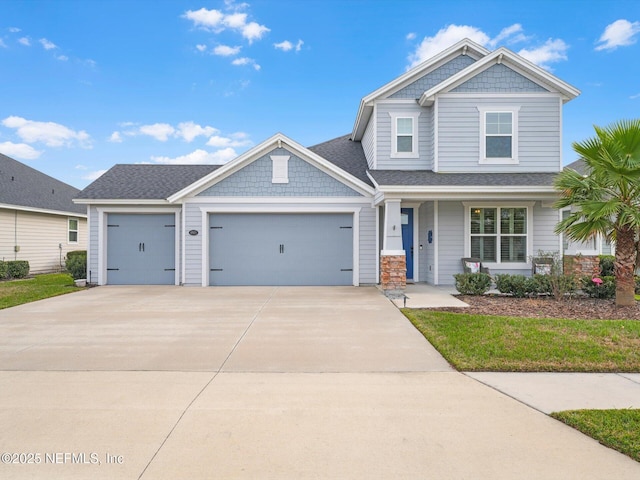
(345, 154)
(24, 186)
(428, 178)
(144, 182)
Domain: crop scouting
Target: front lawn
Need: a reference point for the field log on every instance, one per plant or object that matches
(510, 344)
(17, 292)
(617, 429)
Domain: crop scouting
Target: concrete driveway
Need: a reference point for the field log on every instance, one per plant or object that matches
(266, 382)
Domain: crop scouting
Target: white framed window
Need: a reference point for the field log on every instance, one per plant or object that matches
(498, 135)
(72, 236)
(499, 234)
(404, 135)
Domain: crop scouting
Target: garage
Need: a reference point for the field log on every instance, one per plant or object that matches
(281, 249)
(141, 249)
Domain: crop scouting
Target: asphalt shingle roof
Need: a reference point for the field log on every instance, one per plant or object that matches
(429, 178)
(24, 186)
(579, 166)
(144, 182)
(346, 154)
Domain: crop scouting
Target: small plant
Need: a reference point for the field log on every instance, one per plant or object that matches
(18, 268)
(599, 287)
(518, 286)
(76, 264)
(606, 265)
(4, 270)
(472, 283)
(560, 286)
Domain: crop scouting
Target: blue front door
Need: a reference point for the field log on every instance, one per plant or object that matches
(407, 238)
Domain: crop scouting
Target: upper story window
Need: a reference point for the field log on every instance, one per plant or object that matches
(498, 135)
(73, 230)
(404, 133)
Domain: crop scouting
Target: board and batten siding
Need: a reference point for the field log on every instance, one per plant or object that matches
(193, 244)
(43, 239)
(459, 132)
(384, 132)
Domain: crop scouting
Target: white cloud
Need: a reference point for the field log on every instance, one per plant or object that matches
(245, 61)
(26, 41)
(253, 31)
(81, 167)
(19, 150)
(50, 133)
(62, 58)
(115, 137)
(553, 50)
(286, 45)
(201, 48)
(235, 20)
(47, 44)
(2, 44)
(411, 36)
(236, 140)
(620, 33)
(217, 21)
(225, 50)
(207, 19)
(199, 157)
(14, 29)
(189, 131)
(633, 97)
(93, 175)
(159, 131)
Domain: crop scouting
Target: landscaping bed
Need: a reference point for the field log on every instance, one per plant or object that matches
(544, 307)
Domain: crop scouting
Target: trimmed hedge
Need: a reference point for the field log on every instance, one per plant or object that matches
(14, 269)
(519, 286)
(472, 283)
(76, 264)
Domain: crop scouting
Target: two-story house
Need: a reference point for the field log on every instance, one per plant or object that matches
(453, 159)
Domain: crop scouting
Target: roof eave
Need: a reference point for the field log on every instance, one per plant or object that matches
(120, 201)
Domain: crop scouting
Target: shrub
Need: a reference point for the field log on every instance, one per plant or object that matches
(562, 286)
(472, 283)
(517, 285)
(76, 264)
(606, 265)
(637, 285)
(605, 288)
(543, 284)
(18, 268)
(4, 270)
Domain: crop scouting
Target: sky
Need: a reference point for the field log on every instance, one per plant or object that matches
(88, 84)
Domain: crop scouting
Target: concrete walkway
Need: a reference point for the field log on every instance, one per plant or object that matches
(422, 295)
(286, 383)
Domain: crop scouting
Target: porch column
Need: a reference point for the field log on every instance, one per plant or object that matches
(393, 267)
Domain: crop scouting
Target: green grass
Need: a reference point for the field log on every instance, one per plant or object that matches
(17, 292)
(617, 429)
(505, 344)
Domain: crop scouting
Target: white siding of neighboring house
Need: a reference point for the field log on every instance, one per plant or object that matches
(538, 132)
(42, 238)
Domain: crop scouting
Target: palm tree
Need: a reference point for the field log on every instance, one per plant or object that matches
(606, 199)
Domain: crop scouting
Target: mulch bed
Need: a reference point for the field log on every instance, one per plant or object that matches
(544, 307)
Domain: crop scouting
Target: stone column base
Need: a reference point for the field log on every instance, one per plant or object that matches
(393, 274)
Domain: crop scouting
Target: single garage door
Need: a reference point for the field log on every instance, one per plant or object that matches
(140, 249)
(281, 249)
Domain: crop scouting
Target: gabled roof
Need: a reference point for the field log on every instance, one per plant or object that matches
(143, 182)
(276, 141)
(507, 57)
(27, 188)
(345, 154)
(463, 47)
(579, 166)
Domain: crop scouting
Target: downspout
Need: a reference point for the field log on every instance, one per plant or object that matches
(15, 236)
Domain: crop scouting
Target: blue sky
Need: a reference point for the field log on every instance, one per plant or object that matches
(88, 84)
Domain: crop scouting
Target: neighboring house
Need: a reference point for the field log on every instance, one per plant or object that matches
(454, 158)
(38, 220)
(598, 245)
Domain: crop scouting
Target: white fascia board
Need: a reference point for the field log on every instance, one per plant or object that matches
(119, 201)
(469, 189)
(277, 140)
(375, 184)
(62, 213)
(278, 200)
(468, 47)
(516, 62)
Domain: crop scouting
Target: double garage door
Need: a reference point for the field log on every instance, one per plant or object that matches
(281, 249)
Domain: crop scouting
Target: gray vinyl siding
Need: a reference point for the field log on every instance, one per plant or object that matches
(92, 250)
(430, 80)
(426, 260)
(450, 240)
(538, 133)
(383, 138)
(368, 142)
(545, 220)
(193, 244)
(255, 180)
(499, 78)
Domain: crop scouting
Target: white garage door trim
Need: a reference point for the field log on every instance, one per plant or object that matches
(102, 235)
(205, 211)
